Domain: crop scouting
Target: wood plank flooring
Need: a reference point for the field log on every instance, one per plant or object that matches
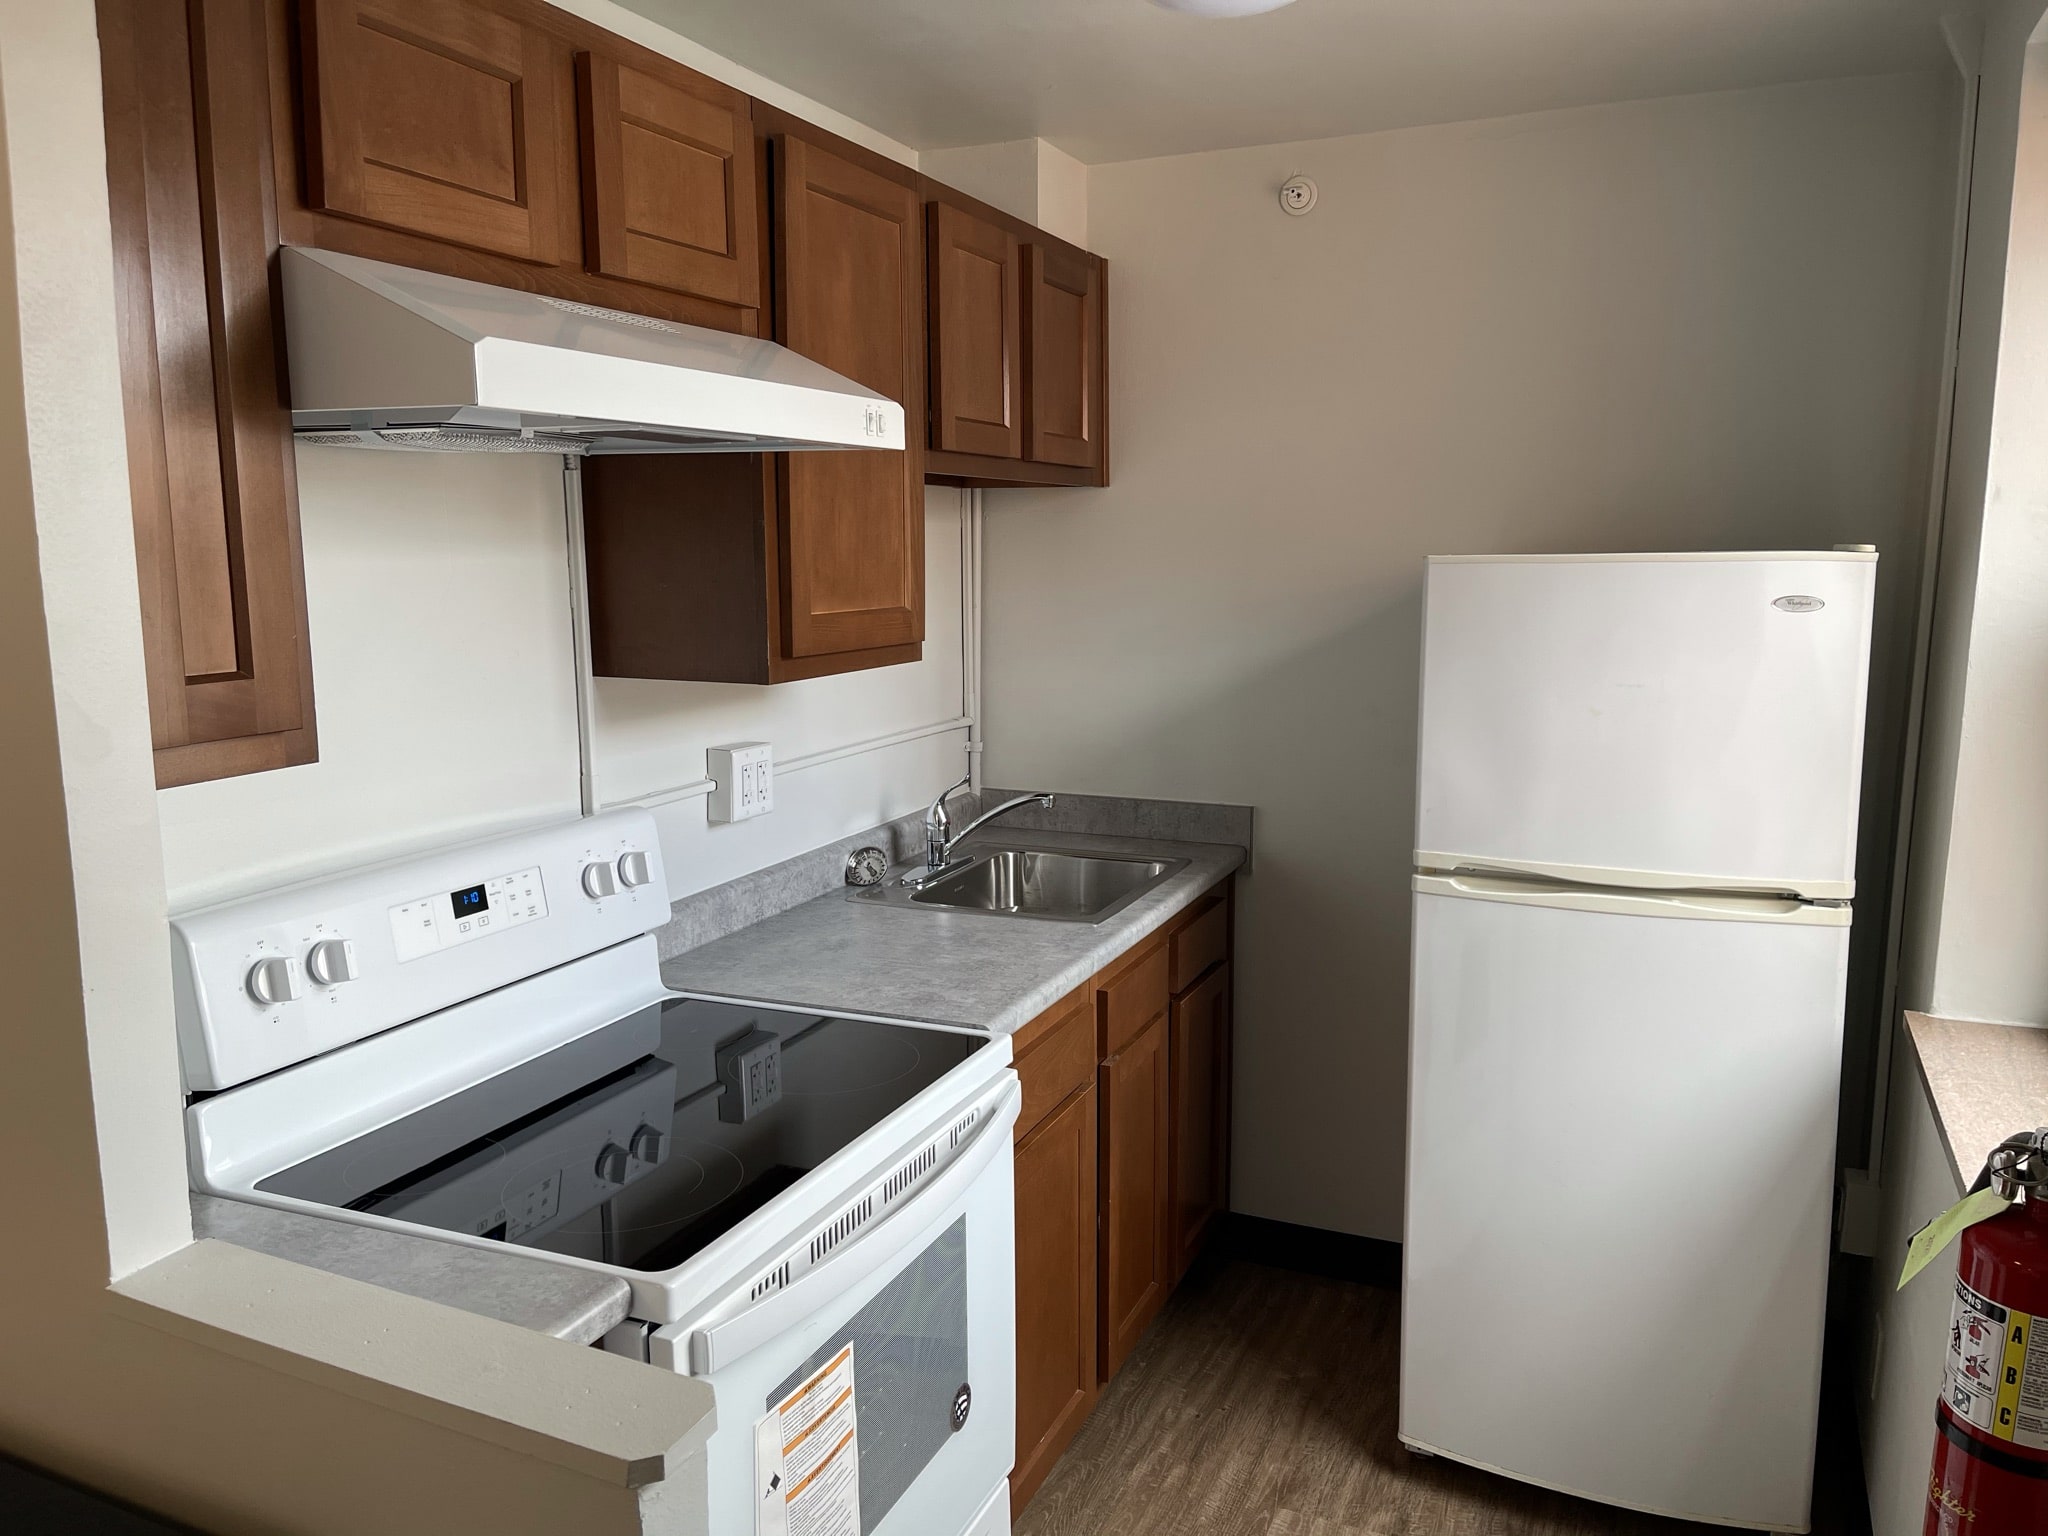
(1262, 1403)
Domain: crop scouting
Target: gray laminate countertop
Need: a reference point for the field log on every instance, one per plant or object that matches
(935, 966)
(1985, 1081)
(573, 1304)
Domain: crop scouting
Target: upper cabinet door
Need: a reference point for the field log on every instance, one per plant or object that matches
(850, 293)
(441, 117)
(669, 185)
(1064, 378)
(977, 384)
(210, 466)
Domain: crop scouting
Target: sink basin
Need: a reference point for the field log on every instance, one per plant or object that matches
(1055, 884)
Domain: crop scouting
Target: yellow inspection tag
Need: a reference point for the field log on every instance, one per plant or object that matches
(1940, 1232)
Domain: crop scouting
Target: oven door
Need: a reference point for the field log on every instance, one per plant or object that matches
(877, 1393)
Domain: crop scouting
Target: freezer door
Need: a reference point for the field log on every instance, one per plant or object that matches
(1620, 1170)
(1674, 721)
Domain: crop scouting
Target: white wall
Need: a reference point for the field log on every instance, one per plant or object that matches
(437, 597)
(1977, 898)
(1980, 867)
(1036, 181)
(1699, 322)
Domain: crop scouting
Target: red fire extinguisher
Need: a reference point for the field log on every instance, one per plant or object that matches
(1990, 1474)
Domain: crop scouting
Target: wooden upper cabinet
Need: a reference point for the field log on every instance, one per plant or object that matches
(1064, 382)
(977, 362)
(444, 118)
(668, 180)
(849, 293)
(211, 471)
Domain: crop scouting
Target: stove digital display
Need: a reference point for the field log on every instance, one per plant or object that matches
(469, 902)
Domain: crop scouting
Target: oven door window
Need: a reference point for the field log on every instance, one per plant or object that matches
(909, 1366)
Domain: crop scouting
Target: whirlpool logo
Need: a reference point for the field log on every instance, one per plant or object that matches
(1798, 602)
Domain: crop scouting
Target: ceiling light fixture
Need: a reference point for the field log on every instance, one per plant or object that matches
(1218, 9)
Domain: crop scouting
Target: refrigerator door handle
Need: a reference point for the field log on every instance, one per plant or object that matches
(1710, 905)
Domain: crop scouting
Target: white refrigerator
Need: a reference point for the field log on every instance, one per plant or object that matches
(1634, 856)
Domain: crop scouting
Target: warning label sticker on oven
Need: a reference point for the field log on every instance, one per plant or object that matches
(1996, 1375)
(807, 1458)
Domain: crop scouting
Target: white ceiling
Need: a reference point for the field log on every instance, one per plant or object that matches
(1122, 79)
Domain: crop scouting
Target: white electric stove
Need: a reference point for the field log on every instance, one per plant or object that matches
(814, 1211)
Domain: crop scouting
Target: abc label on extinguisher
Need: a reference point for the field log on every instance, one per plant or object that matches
(1996, 1374)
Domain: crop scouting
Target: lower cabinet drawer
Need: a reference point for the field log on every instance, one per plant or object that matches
(1055, 1055)
(1200, 943)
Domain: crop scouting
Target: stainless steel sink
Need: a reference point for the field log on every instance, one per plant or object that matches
(1053, 884)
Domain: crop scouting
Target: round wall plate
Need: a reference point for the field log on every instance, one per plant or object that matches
(1297, 195)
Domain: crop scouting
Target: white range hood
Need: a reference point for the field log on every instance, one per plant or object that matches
(388, 357)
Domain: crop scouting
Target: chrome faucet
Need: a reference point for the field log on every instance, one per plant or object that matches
(940, 839)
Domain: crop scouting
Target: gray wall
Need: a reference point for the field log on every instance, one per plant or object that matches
(1699, 322)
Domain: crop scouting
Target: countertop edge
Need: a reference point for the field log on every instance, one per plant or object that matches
(559, 1301)
(1981, 1080)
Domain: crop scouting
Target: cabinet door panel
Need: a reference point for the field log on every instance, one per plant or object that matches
(211, 471)
(1056, 1343)
(849, 293)
(669, 181)
(437, 116)
(976, 322)
(1199, 1054)
(1063, 368)
(1137, 1269)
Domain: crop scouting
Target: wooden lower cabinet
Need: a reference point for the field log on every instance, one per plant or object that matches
(1056, 1347)
(1122, 1166)
(1198, 1054)
(1137, 1266)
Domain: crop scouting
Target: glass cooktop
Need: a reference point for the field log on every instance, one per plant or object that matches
(639, 1144)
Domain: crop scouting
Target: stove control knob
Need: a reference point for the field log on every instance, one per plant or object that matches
(332, 961)
(274, 980)
(633, 869)
(649, 1144)
(611, 1163)
(598, 882)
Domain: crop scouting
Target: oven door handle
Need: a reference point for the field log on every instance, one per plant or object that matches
(716, 1345)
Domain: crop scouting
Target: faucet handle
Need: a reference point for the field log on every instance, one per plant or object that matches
(938, 806)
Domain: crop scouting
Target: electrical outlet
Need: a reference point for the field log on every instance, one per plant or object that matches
(750, 1068)
(743, 780)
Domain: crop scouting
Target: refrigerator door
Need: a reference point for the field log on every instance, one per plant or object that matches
(1646, 720)
(1620, 1160)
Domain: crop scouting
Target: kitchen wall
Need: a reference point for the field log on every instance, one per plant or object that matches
(1977, 891)
(437, 596)
(1689, 323)
(226, 1433)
